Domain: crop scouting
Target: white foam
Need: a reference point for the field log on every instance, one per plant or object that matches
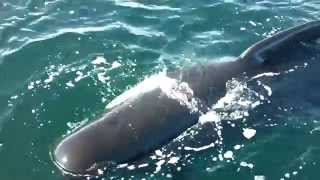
(267, 74)
(131, 167)
(259, 177)
(252, 23)
(14, 97)
(257, 103)
(70, 84)
(99, 60)
(210, 116)
(53, 74)
(143, 165)
(31, 86)
(122, 165)
(237, 102)
(159, 164)
(249, 133)
(237, 147)
(287, 175)
(158, 153)
(220, 157)
(228, 155)
(268, 89)
(50, 78)
(79, 76)
(115, 65)
(102, 78)
(173, 160)
(199, 148)
(245, 164)
(100, 171)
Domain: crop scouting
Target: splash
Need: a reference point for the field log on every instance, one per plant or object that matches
(238, 101)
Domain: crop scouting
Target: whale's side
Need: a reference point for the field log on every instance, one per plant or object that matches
(162, 107)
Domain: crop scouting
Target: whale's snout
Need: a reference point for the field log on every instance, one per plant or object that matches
(68, 159)
(74, 156)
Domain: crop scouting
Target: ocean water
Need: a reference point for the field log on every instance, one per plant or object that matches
(62, 61)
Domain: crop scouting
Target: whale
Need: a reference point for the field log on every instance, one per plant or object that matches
(163, 106)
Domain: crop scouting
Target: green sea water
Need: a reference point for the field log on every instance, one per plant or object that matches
(62, 61)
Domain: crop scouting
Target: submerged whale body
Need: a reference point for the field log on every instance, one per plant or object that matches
(163, 106)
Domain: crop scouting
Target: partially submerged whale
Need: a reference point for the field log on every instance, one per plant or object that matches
(163, 106)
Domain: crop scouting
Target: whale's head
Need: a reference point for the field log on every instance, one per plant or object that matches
(71, 158)
(81, 154)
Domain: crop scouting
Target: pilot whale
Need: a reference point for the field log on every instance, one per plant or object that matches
(163, 106)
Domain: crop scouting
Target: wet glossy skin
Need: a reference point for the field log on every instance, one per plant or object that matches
(150, 119)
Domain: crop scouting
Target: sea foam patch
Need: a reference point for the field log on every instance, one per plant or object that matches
(238, 101)
(249, 133)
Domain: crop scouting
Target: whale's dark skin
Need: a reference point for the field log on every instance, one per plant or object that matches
(150, 119)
